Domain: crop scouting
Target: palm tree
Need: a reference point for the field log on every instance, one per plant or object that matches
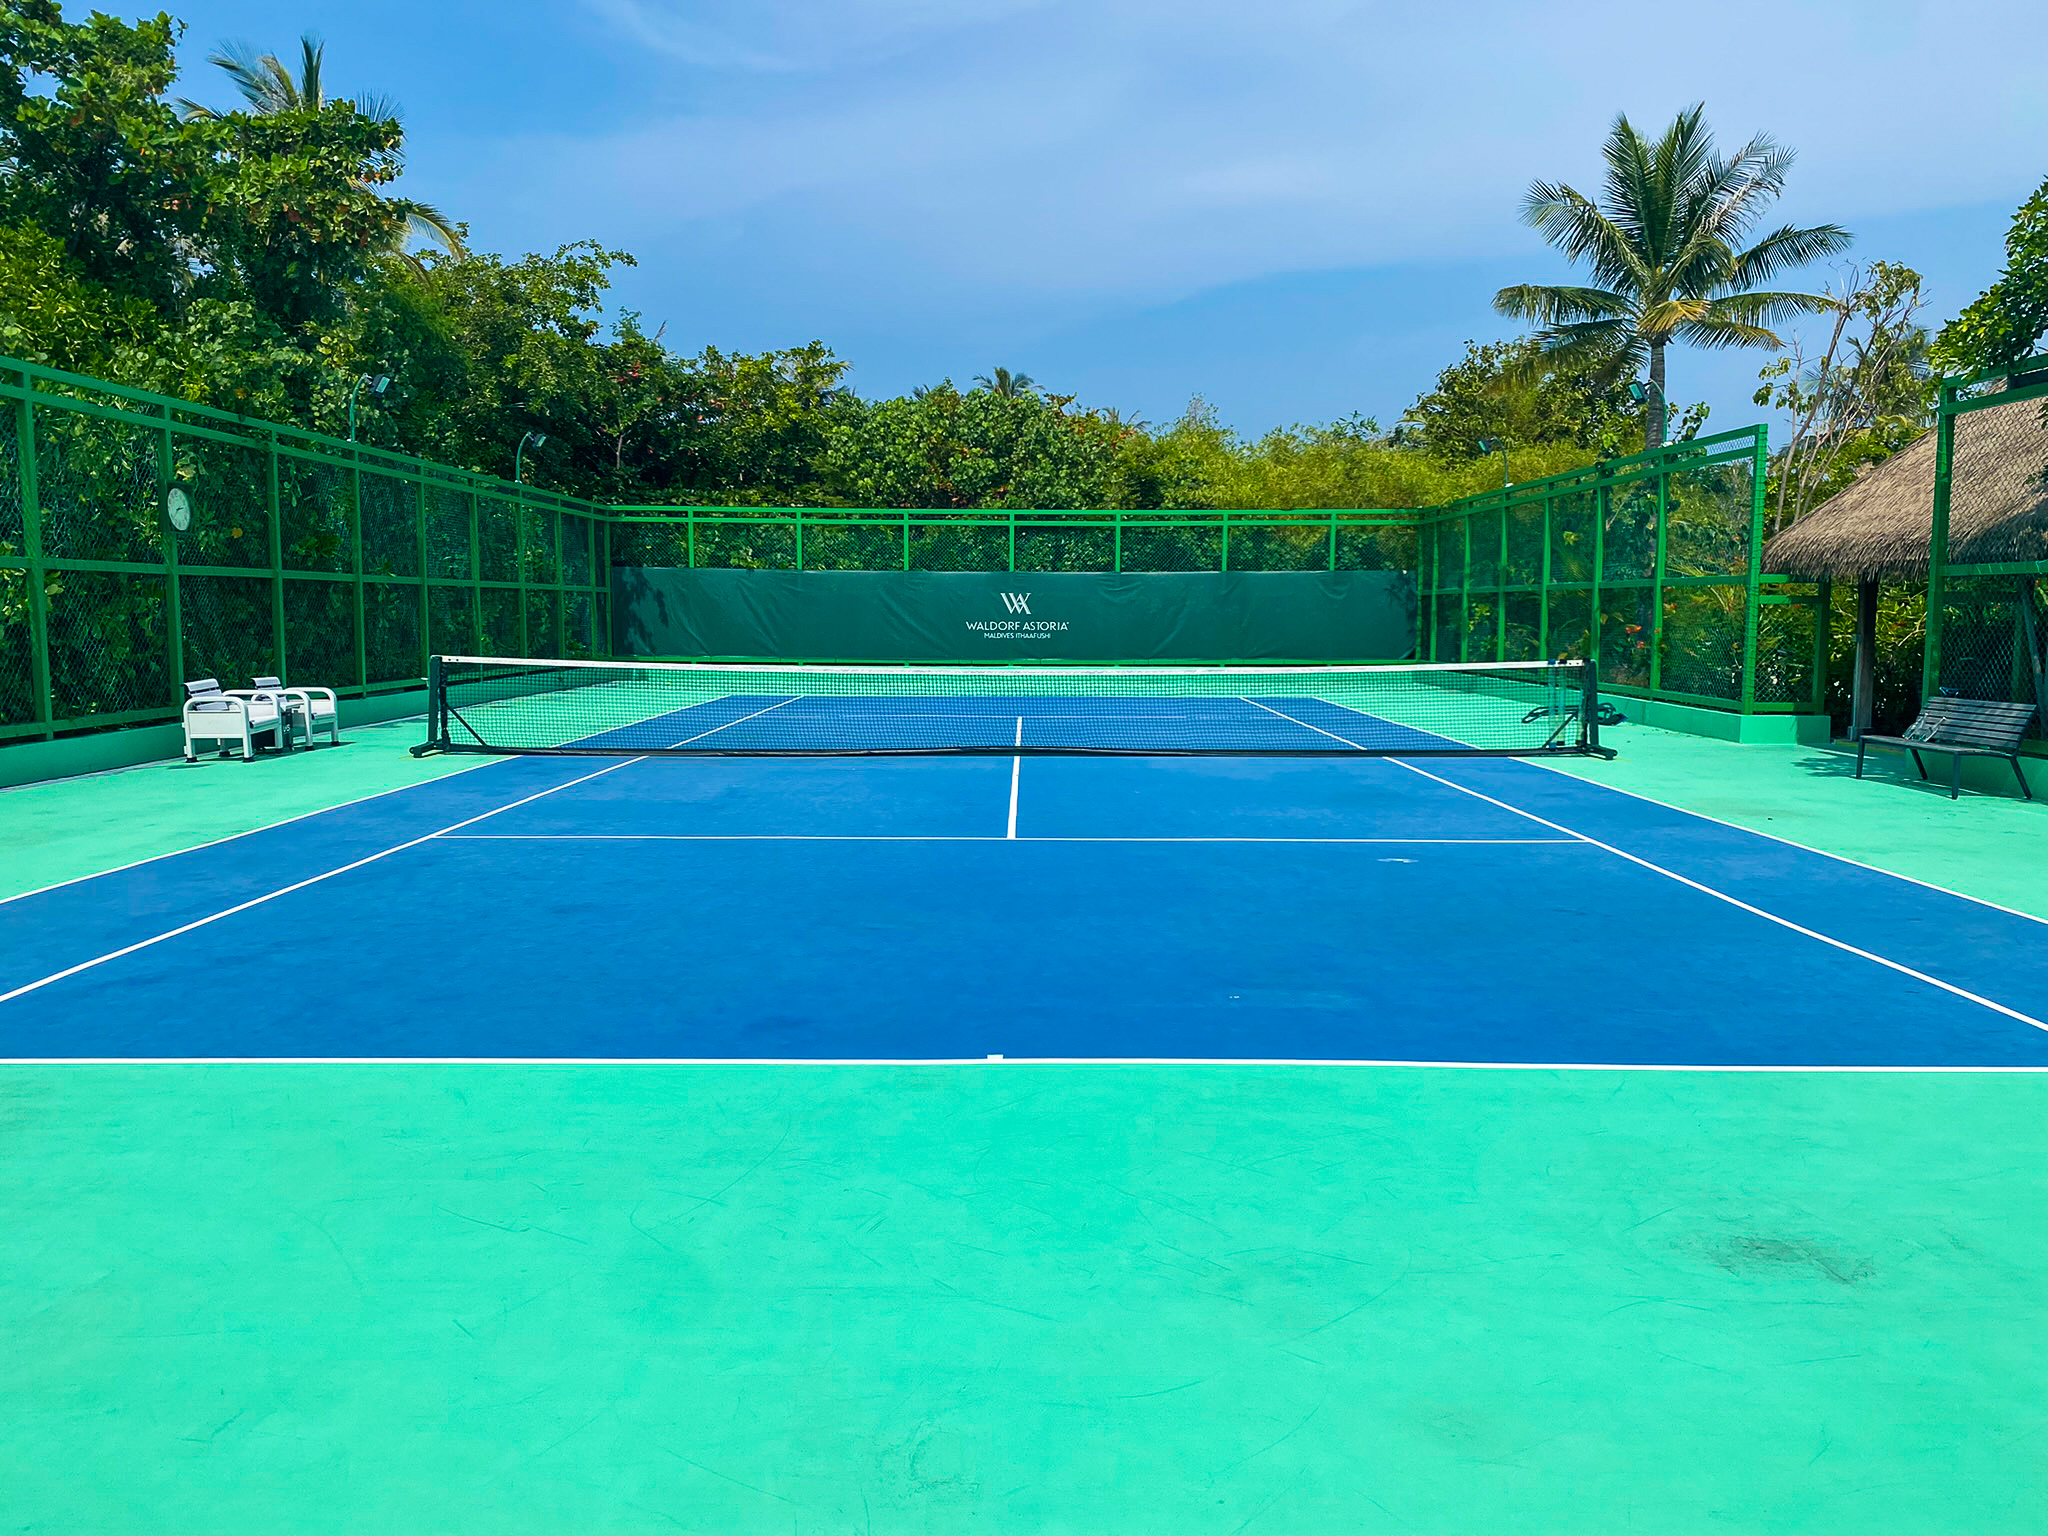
(270, 88)
(1662, 243)
(1007, 385)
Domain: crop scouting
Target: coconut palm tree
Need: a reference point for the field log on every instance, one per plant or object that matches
(1008, 385)
(270, 88)
(1664, 245)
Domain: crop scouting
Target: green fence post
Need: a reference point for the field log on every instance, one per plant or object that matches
(1603, 498)
(1937, 542)
(1543, 591)
(1013, 538)
(1500, 576)
(1760, 469)
(561, 590)
(425, 647)
(1116, 556)
(1657, 582)
(169, 535)
(32, 551)
(906, 538)
(476, 572)
(362, 602)
(691, 535)
(519, 563)
(1465, 594)
(274, 491)
(1226, 542)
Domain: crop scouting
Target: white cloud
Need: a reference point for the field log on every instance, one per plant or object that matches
(1072, 151)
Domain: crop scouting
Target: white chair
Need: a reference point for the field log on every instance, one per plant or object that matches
(221, 719)
(312, 709)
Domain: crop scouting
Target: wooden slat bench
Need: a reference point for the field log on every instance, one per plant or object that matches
(1961, 728)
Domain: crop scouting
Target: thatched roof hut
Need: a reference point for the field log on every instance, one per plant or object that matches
(1878, 528)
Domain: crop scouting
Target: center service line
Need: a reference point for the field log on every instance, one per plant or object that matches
(1016, 768)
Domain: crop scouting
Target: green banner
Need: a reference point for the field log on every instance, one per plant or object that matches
(958, 616)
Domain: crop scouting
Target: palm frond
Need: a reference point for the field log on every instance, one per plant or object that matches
(312, 53)
(1768, 308)
(1786, 247)
(1715, 332)
(430, 223)
(1556, 304)
(1570, 222)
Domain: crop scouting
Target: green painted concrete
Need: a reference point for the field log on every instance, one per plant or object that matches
(252, 1301)
(31, 762)
(1988, 844)
(1726, 725)
(1021, 1299)
(61, 829)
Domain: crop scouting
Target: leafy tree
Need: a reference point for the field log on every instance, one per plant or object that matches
(942, 448)
(1509, 393)
(1662, 243)
(2007, 321)
(91, 154)
(1865, 397)
(270, 89)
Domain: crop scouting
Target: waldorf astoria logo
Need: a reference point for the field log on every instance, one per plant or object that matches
(1020, 625)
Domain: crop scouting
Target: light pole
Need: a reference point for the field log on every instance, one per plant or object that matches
(1640, 391)
(519, 454)
(1495, 445)
(378, 384)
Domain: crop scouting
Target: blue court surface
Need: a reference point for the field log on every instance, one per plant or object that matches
(1483, 910)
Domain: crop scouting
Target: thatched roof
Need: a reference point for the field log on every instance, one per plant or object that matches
(1878, 527)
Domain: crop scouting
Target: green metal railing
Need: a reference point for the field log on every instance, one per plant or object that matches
(1012, 539)
(303, 555)
(1651, 563)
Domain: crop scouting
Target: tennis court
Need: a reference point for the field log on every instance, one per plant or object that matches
(1279, 893)
(741, 1108)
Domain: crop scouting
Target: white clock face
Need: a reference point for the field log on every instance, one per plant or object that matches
(178, 508)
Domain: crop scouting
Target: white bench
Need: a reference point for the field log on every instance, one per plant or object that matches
(310, 709)
(224, 718)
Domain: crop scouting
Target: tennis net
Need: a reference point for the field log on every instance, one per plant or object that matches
(509, 705)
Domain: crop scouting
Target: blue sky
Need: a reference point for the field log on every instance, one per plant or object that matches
(1296, 209)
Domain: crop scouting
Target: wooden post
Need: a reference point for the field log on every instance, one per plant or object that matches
(1864, 691)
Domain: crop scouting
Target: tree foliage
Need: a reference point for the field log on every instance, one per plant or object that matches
(1664, 242)
(2007, 321)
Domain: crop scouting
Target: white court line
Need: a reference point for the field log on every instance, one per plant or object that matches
(1734, 901)
(743, 719)
(966, 1061)
(300, 885)
(986, 837)
(1016, 771)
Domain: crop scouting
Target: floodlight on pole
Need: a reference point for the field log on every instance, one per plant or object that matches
(1495, 445)
(378, 382)
(519, 455)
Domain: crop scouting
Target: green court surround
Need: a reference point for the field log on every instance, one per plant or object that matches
(1022, 1298)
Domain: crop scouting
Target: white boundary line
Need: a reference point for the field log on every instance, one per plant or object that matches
(300, 885)
(271, 826)
(1768, 916)
(743, 719)
(1016, 772)
(1736, 826)
(986, 837)
(964, 1061)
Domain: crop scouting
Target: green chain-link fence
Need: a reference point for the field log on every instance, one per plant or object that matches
(1653, 559)
(1986, 612)
(323, 561)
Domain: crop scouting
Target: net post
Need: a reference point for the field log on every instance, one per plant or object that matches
(437, 707)
(1589, 705)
